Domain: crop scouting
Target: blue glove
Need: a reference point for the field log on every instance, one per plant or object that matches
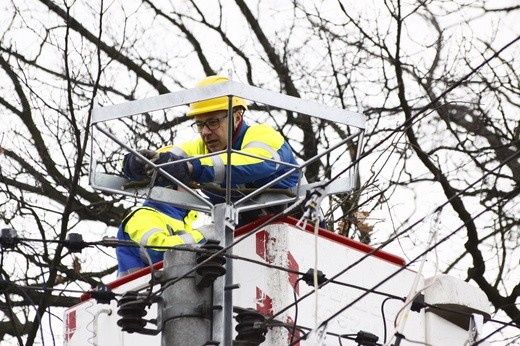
(178, 170)
(134, 168)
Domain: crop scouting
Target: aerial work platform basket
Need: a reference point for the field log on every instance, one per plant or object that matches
(260, 198)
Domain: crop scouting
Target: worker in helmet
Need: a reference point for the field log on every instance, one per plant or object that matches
(211, 123)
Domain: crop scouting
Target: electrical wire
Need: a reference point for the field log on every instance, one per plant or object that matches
(220, 252)
(376, 292)
(295, 321)
(402, 315)
(415, 259)
(404, 310)
(453, 86)
(52, 289)
(423, 110)
(204, 251)
(171, 282)
(302, 328)
(272, 219)
(251, 233)
(144, 252)
(384, 244)
(65, 290)
(268, 265)
(384, 317)
(289, 327)
(31, 302)
(90, 323)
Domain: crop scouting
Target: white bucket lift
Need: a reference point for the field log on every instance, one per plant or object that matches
(366, 289)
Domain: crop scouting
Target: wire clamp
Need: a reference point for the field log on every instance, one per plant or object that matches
(308, 277)
(366, 339)
(74, 242)
(8, 238)
(312, 207)
(103, 294)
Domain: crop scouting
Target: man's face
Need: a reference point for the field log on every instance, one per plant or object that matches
(215, 129)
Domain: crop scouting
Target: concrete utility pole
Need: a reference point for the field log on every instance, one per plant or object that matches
(187, 309)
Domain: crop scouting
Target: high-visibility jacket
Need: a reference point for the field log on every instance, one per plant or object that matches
(259, 140)
(154, 224)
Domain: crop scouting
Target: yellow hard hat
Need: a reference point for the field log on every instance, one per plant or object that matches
(217, 104)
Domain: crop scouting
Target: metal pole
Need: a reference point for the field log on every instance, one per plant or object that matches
(223, 318)
(187, 309)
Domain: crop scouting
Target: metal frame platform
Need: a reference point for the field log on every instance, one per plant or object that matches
(225, 214)
(190, 199)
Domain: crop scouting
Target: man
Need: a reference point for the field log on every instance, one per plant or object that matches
(211, 123)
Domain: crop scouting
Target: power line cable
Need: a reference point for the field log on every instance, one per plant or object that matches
(230, 246)
(511, 193)
(295, 321)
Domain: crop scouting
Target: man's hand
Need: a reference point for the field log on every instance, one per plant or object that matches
(178, 170)
(134, 168)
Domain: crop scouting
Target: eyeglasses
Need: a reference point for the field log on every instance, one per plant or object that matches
(212, 124)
